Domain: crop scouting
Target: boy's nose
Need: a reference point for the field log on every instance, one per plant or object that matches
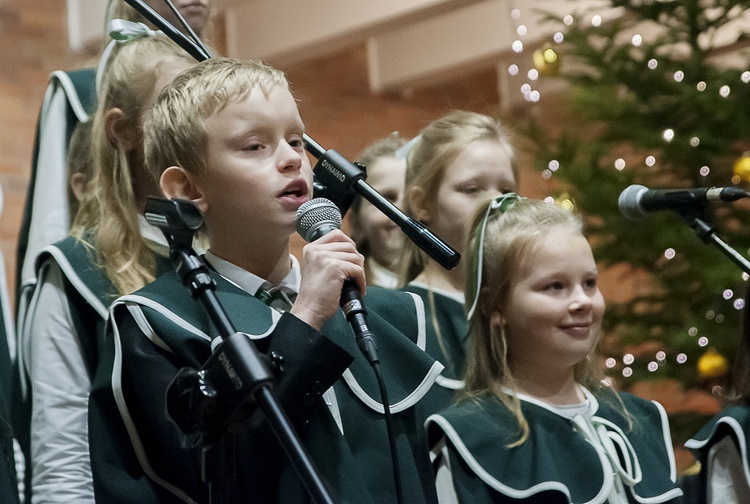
(289, 158)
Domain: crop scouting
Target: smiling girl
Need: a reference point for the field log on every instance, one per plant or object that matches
(537, 422)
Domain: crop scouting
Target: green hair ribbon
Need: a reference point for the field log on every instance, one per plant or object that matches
(499, 205)
(121, 31)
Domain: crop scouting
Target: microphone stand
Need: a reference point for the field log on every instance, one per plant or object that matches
(332, 170)
(707, 234)
(194, 47)
(235, 379)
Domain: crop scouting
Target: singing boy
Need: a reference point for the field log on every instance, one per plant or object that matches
(227, 136)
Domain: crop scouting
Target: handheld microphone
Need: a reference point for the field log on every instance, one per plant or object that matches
(314, 219)
(637, 200)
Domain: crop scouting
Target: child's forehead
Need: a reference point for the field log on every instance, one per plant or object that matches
(553, 247)
(232, 98)
(256, 109)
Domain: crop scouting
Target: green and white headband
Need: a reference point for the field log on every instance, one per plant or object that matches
(499, 204)
(121, 31)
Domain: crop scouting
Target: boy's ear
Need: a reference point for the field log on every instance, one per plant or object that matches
(418, 203)
(119, 131)
(176, 182)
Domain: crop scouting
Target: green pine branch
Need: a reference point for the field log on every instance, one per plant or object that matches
(621, 107)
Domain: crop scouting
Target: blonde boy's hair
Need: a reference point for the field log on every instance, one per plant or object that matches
(439, 145)
(509, 238)
(108, 215)
(174, 130)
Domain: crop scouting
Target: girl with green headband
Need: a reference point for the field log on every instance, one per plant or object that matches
(537, 421)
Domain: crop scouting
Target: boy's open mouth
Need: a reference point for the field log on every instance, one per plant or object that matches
(294, 189)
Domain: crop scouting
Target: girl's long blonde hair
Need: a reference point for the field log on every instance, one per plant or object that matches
(107, 219)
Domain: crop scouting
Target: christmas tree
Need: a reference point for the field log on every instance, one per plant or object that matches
(659, 96)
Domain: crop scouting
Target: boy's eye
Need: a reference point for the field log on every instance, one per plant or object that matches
(471, 189)
(253, 147)
(296, 141)
(590, 283)
(555, 286)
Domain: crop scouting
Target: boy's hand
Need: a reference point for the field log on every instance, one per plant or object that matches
(325, 264)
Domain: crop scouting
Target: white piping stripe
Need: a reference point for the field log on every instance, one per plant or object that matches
(135, 440)
(180, 322)
(667, 440)
(75, 280)
(159, 308)
(329, 396)
(421, 320)
(72, 94)
(672, 494)
(450, 383)
(145, 327)
(464, 452)
(402, 405)
(738, 431)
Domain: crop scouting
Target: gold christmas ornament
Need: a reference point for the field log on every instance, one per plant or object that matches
(742, 167)
(546, 61)
(712, 364)
(566, 201)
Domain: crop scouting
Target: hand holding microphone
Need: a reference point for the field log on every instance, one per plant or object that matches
(637, 200)
(338, 268)
(327, 262)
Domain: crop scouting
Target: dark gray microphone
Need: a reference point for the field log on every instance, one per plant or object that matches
(314, 219)
(637, 200)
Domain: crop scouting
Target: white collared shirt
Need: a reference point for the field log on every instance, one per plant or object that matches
(249, 282)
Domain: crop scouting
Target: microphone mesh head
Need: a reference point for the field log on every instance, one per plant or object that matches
(629, 202)
(316, 214)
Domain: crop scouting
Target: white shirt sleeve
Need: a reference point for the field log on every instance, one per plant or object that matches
(726, 479)
(443, 476)
(61, 466)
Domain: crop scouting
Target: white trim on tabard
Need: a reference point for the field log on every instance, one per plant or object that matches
(127, 419)
(738, 431)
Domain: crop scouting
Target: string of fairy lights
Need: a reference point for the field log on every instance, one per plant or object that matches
(545, 61)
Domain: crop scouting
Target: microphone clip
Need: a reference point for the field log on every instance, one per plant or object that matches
(333, 172)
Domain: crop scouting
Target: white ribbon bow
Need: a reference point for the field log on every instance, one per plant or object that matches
(603, 435)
